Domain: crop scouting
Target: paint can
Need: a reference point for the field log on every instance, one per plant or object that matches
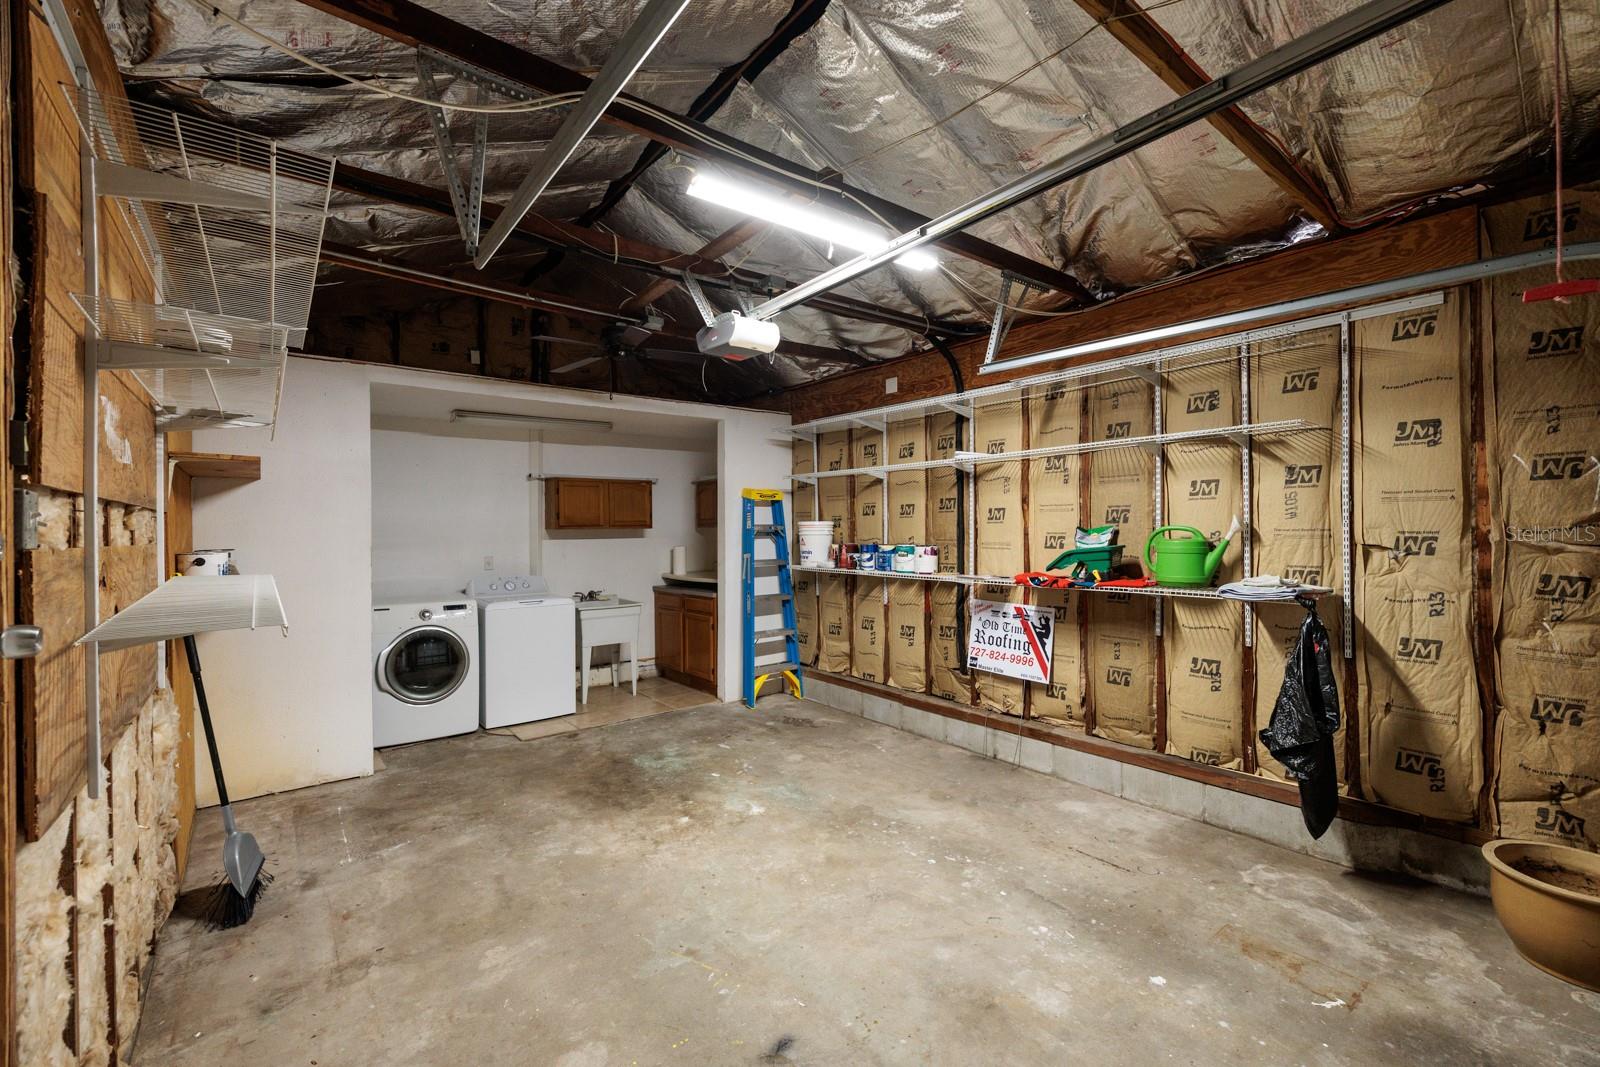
(904, 560)
(816, 540)
(209, 562)
(867, 556)
(927, 559)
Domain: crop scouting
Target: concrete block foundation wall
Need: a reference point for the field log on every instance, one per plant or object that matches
(1349, 843)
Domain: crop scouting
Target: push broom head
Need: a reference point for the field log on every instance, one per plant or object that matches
(233, 900)
(227, 907)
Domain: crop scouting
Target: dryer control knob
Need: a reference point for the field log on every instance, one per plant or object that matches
(424, 614)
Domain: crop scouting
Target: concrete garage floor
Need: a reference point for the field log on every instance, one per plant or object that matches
(796, 885)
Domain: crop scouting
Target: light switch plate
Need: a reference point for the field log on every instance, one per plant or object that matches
(891, 384)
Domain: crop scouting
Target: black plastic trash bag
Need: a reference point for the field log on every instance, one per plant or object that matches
(1304, 720)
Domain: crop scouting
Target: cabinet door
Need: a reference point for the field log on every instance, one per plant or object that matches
(574, 504)
(628, 504)
(705, 505)
(669, 632)
(700, 638)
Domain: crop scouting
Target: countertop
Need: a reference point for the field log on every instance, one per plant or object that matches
(692, 578)
(687, 590)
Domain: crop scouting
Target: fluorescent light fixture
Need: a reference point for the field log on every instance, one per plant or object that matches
(529, 420)
(817, 222)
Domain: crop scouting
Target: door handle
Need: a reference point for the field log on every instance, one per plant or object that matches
(21, 642)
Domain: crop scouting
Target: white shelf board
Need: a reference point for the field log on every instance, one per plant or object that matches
(192, 604)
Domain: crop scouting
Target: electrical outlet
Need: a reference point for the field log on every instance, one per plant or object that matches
(488, 563)
(475, 356)
(891, 384)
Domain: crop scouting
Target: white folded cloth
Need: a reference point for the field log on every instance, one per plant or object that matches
(1269, 587)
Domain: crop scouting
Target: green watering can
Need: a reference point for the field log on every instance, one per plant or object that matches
(1190, 561)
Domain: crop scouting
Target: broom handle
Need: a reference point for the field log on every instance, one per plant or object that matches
(205, 717)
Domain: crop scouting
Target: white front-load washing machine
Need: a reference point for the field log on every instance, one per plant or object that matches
(425, 667)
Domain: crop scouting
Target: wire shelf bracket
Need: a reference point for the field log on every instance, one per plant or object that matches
(202, 371)
(228, 222)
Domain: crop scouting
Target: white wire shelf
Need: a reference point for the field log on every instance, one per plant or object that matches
(1241, 432)
(229, 223)
(203, 371)
(193, 604)
(1206, 593)
(1148, 365)
(880, 471)
(942, 576)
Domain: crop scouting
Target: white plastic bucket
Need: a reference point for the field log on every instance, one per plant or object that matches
(815, 539)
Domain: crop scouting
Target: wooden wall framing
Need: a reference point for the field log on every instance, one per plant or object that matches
(47, 168)
(1447, 239)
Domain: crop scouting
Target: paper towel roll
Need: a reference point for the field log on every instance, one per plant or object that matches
(680, 560)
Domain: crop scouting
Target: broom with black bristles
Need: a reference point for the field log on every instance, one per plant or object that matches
(233, 900)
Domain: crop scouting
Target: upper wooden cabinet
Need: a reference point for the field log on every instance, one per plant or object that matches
(705, 505)
(596, 504)
(628, 504)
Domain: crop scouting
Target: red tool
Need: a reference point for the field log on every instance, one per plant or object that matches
(1562, 288)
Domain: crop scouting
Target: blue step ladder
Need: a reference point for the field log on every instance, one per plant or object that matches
(784, 639)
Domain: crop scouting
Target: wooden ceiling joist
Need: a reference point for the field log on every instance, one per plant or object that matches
(641, 255)
(1141, 35)
(678, 340)
(413, 25)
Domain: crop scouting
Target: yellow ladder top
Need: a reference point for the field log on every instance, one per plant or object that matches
(763, 494)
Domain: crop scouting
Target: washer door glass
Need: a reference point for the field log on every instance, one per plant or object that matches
(424, 665)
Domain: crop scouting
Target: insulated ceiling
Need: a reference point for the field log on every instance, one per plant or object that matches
(926, 103)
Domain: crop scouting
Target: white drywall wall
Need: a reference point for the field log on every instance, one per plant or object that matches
(750, 454)
(441, 504)
(297, 710)
(627, 562)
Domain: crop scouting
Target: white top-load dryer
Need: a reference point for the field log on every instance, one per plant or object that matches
(527, 636)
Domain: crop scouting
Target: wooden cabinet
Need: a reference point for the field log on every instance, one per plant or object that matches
(705, 505)
(596, 504)
(669, 633)
(700, 639)
(686, 638)
(628, 504)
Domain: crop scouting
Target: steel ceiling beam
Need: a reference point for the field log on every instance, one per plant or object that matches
(614, 248)
(1325, 42)
(627, 56)
(1136, 31)
(801, 17)
(413, 25)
